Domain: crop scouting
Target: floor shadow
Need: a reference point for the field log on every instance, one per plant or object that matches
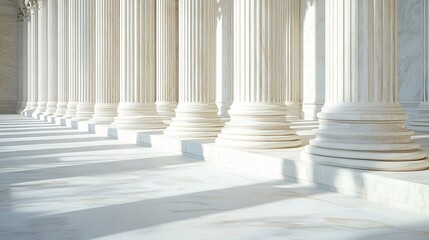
(52, 141)
(82, 168)
(119, 218)
(50, 151)
(35, 130)
(43, 134)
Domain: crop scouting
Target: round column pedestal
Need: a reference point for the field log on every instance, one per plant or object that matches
(166, 110)
(138, 116)
(51, 107)
(84, 111)
(41, 107)
(363, 136)
(257, 127)
(421, 121)
(293, 111)
(71, 110)
(195, 120)
(104, 113)
(33, 106)
(61, 109)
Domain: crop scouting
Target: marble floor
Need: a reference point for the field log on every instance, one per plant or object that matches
(60, 183)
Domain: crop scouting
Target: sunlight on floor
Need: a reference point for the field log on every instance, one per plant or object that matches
(81, 186)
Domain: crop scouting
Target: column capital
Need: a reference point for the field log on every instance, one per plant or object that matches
(42, 3)
(23, 11)
(32, 6)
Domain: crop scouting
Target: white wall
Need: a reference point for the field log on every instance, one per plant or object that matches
(410, 54)
(9, 42)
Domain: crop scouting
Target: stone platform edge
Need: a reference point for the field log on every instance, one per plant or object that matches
(394, 189)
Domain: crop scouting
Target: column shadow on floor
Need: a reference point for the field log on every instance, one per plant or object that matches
(119, 218)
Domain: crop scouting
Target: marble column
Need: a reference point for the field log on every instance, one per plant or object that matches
(52, 68)
(86, 58)
(421, 121)
(196, 113)
(42, 84)
(63, 61)
(224, 57)
(107, 61)
(33, 58)
(72, 57)
(292, 61)
(258, 113)
(312, 59)
(167, 24)
(26, 88)
(362, 124)
(137, 109)
(23, 44)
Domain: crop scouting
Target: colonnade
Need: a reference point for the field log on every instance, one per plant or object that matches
(151, 65)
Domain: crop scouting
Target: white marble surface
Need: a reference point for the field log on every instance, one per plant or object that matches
(410, 50)
(59, 183)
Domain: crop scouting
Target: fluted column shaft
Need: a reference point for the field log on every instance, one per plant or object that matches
(73, 57)
(137, 109)
(107, 60)
(63, 61)
(421, 121)
(292, 62)
(224, 57)
(52, 68)
(42, 95)
(23, 106)
(33, 58)
(196, 113)
(362, 124)
(258, 113)
(167, 24)
(86, 57)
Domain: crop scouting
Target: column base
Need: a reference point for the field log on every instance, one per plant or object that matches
(365, 136)
(84, 111)
(166, 110)
(310, 110)
(104, 113)
(20, 106)
(223, 108)
(61, 109)
(138, 116)
(41, 107)
(71, 110)
(293, 111)
(195, 120)
(258, 126)
(421, 120)
(51, 107)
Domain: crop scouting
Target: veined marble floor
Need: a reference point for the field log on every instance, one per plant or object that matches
(60, 183)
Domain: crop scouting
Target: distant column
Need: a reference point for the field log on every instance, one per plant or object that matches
(167, 58)
(421, 121)
(63, 57)
(51, 106)
(33, 50)
(86, 58)
(258, 112)
(196, 113)
(292, 61)
(73, 57)
(107, 61)
(42, 88)
(137, 109)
